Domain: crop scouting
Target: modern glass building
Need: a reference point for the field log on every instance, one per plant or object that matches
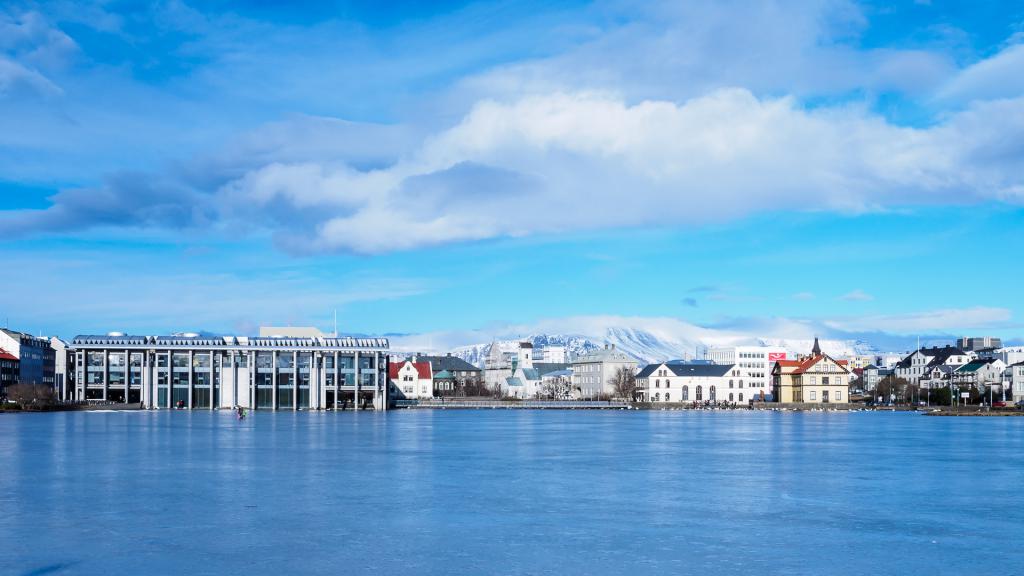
(191, 371)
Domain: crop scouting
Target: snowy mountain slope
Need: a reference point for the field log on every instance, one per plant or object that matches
(646, 339)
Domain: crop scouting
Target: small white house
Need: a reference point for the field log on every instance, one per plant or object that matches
(411, 380)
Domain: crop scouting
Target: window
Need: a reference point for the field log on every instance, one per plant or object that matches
(839, 395)
(711, 396)
(667, 396)
(813, 395)
(741, 396)
(730, 383)
(700, 393)
(730, 396)
(686, 392)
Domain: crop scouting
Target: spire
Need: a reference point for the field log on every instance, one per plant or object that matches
(817, 348)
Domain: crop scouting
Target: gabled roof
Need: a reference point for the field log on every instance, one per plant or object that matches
(531, 374)
(558, 374)
(975, 365)
(691, 370)
(443, 375)
(5, 355)
(543, 368)
(449, 363)
(805, 365)
(513, 381)
(422, 369)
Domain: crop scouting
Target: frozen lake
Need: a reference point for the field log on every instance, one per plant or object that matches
(510, 492)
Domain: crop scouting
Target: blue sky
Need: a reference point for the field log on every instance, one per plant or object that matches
(775, 168)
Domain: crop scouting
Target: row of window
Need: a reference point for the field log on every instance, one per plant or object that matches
(95, 360)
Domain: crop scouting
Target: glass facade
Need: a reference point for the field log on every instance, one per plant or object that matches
(285, 381)
(292, 377)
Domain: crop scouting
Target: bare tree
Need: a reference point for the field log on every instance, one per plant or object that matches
(559, 388)
(472, 387)
(32, 396)
(624, 383)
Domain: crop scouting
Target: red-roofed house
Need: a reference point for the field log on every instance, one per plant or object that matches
(817, 379)
(410, 379)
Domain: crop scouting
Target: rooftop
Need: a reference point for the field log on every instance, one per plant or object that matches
(195, 340)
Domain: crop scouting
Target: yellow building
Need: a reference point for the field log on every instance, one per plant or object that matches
(815, 379)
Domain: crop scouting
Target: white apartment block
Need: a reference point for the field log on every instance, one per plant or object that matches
(550, 355)
(753, 364)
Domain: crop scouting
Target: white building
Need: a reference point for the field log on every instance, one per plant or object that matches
(679, 382)
(411, 380)
(920, 362)
(860, 361)
(980, 373)
(754, 364)
(63, 368)
(592, 372)
(1014, 377)
(527, 379)
(551, 355)
(1010, 355)
(499, 365)
(888, 359)
(198, 372)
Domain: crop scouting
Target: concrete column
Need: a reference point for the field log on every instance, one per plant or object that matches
(106, 372)
(234, 380)
(357, 371)
(376, 382)
(191, 359)
(252, 380)
(273, 378)
(127, 374)
(144, 391)
(337, 379)
(295, 380)
(215, 380)
(315, 402)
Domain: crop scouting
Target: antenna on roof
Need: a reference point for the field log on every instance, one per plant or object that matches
(335, 322)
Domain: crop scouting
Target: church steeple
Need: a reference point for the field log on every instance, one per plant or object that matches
(817, 348)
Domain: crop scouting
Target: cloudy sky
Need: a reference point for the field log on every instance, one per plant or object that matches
(745, 165)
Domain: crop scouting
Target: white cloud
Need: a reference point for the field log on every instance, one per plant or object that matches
(803, 296)
(1000, 76)
(857, 295)
(591, 161)
(664, 120)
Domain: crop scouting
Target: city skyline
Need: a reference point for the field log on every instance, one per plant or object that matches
(835, 168)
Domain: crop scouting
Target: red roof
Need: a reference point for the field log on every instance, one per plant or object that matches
(5, 355)
(805, 364)
(422, 369)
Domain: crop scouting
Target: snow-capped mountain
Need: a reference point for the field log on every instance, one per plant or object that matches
(646, 339)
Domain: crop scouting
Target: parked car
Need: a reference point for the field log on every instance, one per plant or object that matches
(999, 404)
